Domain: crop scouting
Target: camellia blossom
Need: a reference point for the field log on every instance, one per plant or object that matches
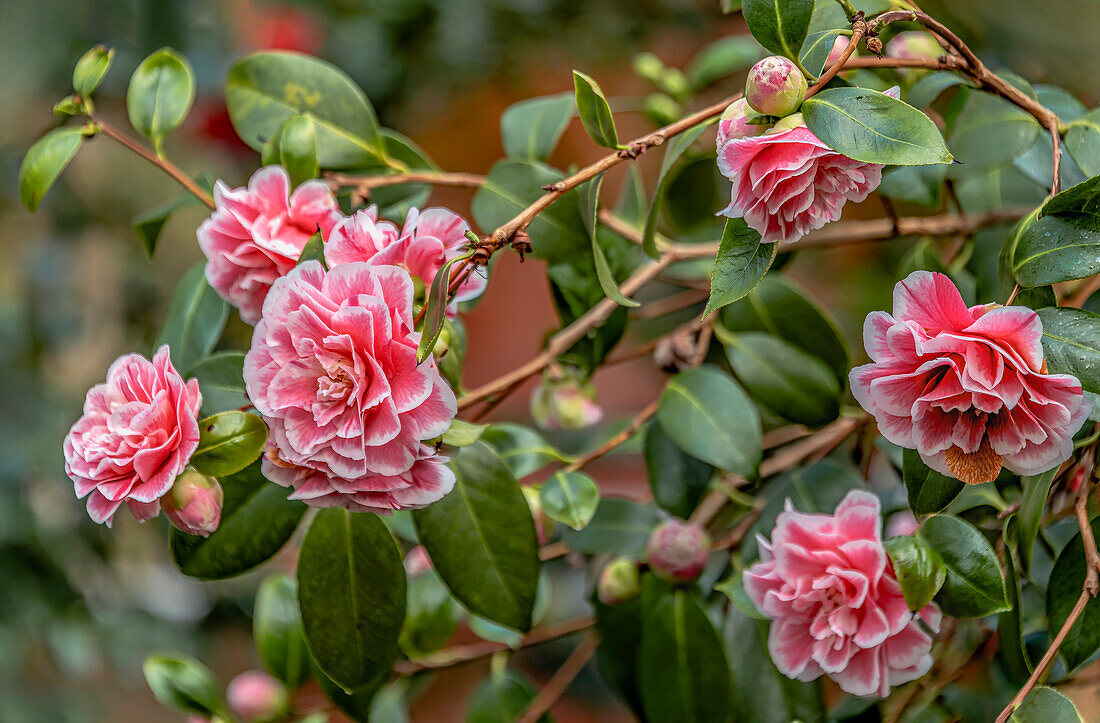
(333, 371)
(257, 233)
(138, 433)
(428, 240)
(966, 388)
(787, 182)
(835, 603)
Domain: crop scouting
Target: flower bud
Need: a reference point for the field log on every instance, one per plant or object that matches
(899, 524)
(787, 123)
(256, 696)
(734, 123)
(913, 45)
(567, 403)
(417, 561)
(775, 86)
(619, 582)
(677, 551)
(194, 504)
(839, 46)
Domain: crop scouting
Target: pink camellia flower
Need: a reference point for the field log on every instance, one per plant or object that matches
(829, 587)
(257, 233)
(333, 371)
(194, 504)
(787, 182)
(428, 240)
(966, 388)
(137, 434)
(256, 696)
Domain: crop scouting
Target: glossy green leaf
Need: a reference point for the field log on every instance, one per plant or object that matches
(1071, 342)
(1061, 102)
(673, 151)
(796, 385)
(277, 630)
(351, 591)
(160, 95)
(711, 418)
(435, 308)
(677, 479)
(1010, 623)
(522, 448)
(44, 162)
(1083, 142)
(619, 527)
(257, 520)
(974, 586)
(722, 58)
(922, 185)
(221, 381)
(462, 433)
(590, 204)
(182, 683)
(1032, 503)
(989, 132)
(395, 201)
(779, 25)
(594, 112)
(734, 588)
(570, 498)
(530, 129)
(1067, 579)
(149, 224)
(919, 570)
(298, 149)
(501, 699)
(1053, 250)
(314, 250)
(931, 85)
(90, 70)
(928, 490)
(740, 264)
(482, 539)
(817, 48)
(872, 127)
(263, 89)
(194, 320)
(1045, 705)
(357, 703)
(229, 442)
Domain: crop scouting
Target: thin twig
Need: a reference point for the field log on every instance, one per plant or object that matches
(635, 424)
(365, 184)
(858, 30)
(559, 682)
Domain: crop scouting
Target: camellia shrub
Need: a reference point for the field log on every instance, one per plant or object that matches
(909, 539)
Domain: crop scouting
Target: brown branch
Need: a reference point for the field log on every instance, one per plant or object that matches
(627, 432)
(365, 184)
(559, 682)
(859, 28)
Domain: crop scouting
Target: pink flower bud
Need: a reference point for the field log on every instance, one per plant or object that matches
(775, 86)
(417, 561)
(734, 123)
(677, 551)
(839, 45)
(619, 582)
(901, 523)
(914, 44)
(194, 504)
(255, 695)
(568, 403)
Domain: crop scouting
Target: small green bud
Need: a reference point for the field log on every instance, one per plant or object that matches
(91, 68)
(619, 582)
(648, 67)
(68, 107)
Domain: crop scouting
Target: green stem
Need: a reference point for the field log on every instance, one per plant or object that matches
(849, 8)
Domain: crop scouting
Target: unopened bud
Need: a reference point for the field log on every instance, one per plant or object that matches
(194, 504)
(775, 86)
(912, 45)
(256, 696)
(68, 106)
(568, 403)
(417, 561)
(734, 123)
(839, 45)
(619, 582)
(677, 551)
(90, 69)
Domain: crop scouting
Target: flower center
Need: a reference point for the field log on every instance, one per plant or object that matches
(974, 468)
(334, 385)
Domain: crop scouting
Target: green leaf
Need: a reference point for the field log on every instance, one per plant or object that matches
(816, 49)
(263, 89)
(1071, 342)
(734, 588)
(298, 149)
(44, 162)
(930, 86)
(677, 479)
(708, 416)
(314, 250)
(431, 615)
(1010, 623)
(221, 381)
(920, 572)
(722, 58)
(160, 95)
(182, 683)
(462, 433)
(194, 321)
(620, 629)
(395, 201)
(1083, 142)
(482, 539)
(989, 132)
(257, 520)
(522, 448)
(974, 586)
(590, 201)
(1067, 579)
(229, 442)
(779, 25)
(741, 263)
(351, 591)
(90, 70)
(1045, 705)
(683, 671)
(594, 112)
(1061, 102)
(530, 129)
(929, 491)
(357, 702)
(435, 309)
(619, 527)
(1064, 244)
(675, 149)
(277, 630)
(874, 128)
(1032, 502)
(502, 699)
(149, 224)
(922, 185)
(570, 498)
(796, 385)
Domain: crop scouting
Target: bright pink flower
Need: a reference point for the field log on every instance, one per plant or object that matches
(787, 182)
(257, 233)
(428, 240)
(836, 606)
(966, 388)
(137, 434)
(333, 371)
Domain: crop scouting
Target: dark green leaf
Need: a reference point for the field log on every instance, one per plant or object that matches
(1045, 705)
(570, 498)
(722, 58)
(929, 491)
(929, 87)
(160, 95)
(974, 586)
(228, 442)
(816, 49)
(1061, 102)
(677, 479)
(1071, 342)
(314, 250)
(1052, 250)
(182, 683)
(873, 127)
(90, 69)
(796, 385)
(590, 203)
(462, 433)
(395, 201)
(922, 185)
(149, 224)
(594, 112)
(1067, 579)
(1032, 503)
(920, 572)
(619, 527)
(708, 416)
(298, 148)
(530, 129)
(194, 321)
(740, 264)
(522, 448)
(1010, 623)
(675, 149)
(351, 591)
(277, 630)
(44, 162)
(779, 25)
(501, 699)
(431, 615)
(989, 132)
(257, 520)
(356, 703)
(1083, 142)
(221, 381)
(435, 309)
(482, 539)
(620, 628)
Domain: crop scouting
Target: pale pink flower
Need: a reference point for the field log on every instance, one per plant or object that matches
(257, 233)
(901, 524)
(966, 388)
(333, 371)
(787, 182)
(137, 434)
(836, 606)
(255, 695)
